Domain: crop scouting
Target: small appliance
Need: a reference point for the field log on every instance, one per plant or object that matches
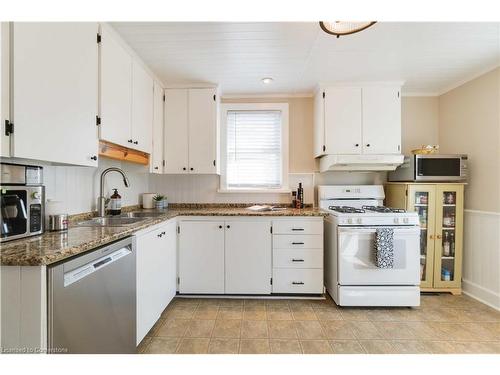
(431, 167)
(22, 197)
(352, 276)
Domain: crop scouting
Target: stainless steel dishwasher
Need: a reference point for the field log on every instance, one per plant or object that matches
(92, 301)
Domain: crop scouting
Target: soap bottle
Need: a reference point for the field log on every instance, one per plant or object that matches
(115, 203)
(294, 199)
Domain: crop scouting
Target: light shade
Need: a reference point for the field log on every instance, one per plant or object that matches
(339, 28)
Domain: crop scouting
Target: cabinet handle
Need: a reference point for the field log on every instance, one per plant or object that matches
(160, 234)
(296, 229)
(297, 243)
(367, 145)
(156, 167)
(297, 283)
(297, 260)
(130, 141)
(163, 233)
(228, 226)
(136, 142)
(93, 158)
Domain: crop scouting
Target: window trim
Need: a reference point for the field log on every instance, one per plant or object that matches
(283, 107)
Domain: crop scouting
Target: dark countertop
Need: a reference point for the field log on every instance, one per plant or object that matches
(52, 247)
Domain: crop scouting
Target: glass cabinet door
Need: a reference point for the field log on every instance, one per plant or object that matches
(421, 198)
(448, 247)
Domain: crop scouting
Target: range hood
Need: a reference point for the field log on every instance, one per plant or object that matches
(360, 163)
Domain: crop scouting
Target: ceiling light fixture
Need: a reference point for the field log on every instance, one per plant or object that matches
(266, 80)
(339, 28)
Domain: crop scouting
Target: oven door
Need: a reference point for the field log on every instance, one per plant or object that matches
(357, 259)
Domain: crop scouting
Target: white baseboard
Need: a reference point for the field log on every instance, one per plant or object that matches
(481, 294)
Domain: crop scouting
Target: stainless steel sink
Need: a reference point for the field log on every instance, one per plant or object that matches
(110, 221)
(142, 214)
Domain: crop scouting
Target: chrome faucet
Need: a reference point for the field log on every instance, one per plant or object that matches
(101, 201)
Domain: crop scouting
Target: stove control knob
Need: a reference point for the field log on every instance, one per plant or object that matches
(359, 220)
(396, 220)
(36, 195)
(349, 221)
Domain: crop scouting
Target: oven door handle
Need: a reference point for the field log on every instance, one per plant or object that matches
(414, 229)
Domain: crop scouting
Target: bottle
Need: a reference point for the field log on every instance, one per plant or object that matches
(445, 275)
(452, 244)
(115, 203)
(446, 244)
(294, 199)
(300, 196)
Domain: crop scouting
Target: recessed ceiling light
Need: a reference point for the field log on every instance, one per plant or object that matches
(267, 80)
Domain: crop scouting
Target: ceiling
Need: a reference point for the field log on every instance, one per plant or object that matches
(430, 57)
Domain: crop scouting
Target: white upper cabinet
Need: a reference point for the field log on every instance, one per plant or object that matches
(354, 120)
(176, 131)
(116, 91)
(156, 161)
(4, 89)
(126, 96)
(381, 120)
(142, 108)
(191, 131)
(343, 120)
(202, 131)
(55, 87)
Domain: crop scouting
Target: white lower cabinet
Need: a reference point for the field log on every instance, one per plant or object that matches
(298, 256)
(155, 274)
(201, 257)
(248, 257)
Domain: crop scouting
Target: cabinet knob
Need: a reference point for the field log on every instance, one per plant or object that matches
(93, 157)
(228, 226)
(367, 145)
(160, 234)
(431, 236)
(220, 226)
(136, 142)
(191, 169)
(438, 236)
(184, 168)
(156, 167)
(357, 144)
(130, 141)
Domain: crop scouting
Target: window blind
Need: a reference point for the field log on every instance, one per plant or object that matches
(254, 157)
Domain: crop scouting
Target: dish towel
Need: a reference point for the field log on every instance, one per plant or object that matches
(384, 247)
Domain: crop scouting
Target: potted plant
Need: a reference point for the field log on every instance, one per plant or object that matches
(160, 201)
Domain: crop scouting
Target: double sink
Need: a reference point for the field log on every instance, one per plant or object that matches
(122, 220)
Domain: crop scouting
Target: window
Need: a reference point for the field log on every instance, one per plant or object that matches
(254, 147)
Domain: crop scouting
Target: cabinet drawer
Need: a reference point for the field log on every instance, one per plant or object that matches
(301, 241)
(302, 258)
(298, 227)
(307, 281)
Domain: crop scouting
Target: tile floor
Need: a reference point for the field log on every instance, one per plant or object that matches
(442, 324)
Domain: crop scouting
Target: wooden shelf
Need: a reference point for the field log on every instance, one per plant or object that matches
(116, 152)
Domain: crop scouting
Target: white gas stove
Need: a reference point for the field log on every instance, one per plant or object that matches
(352, 276)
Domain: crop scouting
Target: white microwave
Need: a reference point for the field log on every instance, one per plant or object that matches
(432, 167)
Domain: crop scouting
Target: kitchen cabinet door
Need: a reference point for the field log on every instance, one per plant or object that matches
(176, 131)
(116, 91)
(449, 234)
(4, 88)
(142, 109)
(422, 199)
(319, 124)
(201, 257)
(381, 120)
(248, 253)
(202, 131)
(55, 87)
(155, 275)
(342, 119)
(156, 160)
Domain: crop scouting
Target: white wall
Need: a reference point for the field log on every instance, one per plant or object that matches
(77, 188)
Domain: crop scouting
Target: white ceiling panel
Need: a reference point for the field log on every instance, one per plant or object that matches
(429, 57)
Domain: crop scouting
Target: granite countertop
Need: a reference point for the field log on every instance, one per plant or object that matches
(52, 247)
